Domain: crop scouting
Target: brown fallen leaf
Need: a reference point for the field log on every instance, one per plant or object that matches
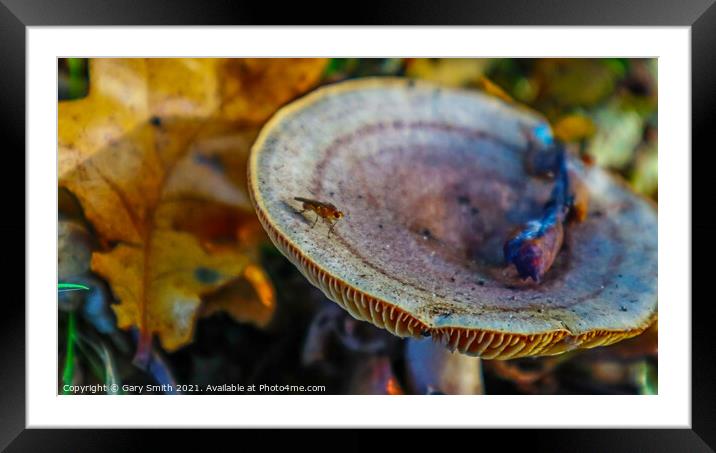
(255, 87)
(152, 155)
(243, 90)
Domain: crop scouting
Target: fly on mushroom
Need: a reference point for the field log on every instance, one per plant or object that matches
(327, 211)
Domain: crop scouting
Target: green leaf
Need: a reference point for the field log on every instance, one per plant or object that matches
(62, 287)
(69, 368)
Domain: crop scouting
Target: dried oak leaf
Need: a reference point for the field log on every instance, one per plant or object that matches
(152, 156)
(256, 87)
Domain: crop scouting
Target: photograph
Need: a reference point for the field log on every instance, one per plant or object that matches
(357, 226)
(455, 216)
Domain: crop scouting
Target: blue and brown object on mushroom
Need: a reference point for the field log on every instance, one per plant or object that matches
(533, 247)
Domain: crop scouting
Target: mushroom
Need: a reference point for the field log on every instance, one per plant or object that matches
(431, 369)
(431, 181)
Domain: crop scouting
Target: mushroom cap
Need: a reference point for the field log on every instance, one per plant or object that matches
(432, 181)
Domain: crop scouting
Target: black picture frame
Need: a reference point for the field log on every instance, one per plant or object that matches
(16, 15)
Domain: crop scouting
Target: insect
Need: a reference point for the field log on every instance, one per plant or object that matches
(327, 211)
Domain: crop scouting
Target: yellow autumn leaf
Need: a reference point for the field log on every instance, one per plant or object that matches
(573, 128)
(160, 285)
(456, 72)
(155, 159)
(573, 81)
(242, 90)
(255, 87)
(491, 88)
(160, 278)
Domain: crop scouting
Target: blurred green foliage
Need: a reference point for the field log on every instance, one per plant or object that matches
(73, 78)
